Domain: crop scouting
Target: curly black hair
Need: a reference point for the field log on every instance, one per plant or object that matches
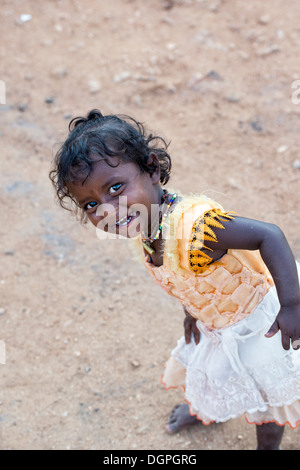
(113, 138)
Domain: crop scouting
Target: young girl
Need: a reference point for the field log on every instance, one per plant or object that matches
(235, 277)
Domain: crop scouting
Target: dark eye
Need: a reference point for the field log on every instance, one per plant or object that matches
(114, 188)
(90, 205)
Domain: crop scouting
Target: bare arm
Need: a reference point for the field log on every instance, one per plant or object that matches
(248, 234)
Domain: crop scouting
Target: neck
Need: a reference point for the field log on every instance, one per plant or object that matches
(166, 202)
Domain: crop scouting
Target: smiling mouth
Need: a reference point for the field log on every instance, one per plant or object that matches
(125, 221)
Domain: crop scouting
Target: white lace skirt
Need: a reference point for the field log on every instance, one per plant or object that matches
(238, 370)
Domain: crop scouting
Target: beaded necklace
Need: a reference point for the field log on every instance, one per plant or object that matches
(148, 241)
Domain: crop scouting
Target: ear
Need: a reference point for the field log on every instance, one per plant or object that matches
(154, 168)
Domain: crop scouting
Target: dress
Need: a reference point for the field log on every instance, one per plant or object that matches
(235, 369)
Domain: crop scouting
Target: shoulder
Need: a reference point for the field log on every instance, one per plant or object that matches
(191, 224)
(202, 234)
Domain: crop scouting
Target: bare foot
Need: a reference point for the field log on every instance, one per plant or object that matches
(180, 418)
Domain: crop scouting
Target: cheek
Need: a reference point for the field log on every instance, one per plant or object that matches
(96, 219)
(93, 219)
(105, 221)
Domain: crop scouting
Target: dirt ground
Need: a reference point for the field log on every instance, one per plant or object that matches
(86, 331)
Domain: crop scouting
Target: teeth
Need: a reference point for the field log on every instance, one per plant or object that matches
(125, 220)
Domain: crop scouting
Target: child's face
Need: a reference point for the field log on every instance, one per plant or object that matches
(119, 199)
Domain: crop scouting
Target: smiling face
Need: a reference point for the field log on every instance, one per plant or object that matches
(119, 199)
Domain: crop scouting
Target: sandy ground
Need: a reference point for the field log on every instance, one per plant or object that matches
(86, 331)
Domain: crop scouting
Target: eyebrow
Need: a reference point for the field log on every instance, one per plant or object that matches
(84, 201)
(108, 183)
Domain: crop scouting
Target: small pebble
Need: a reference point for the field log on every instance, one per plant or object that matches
(296, 164)
(22, 107)
(135, 363)
(213, 75)
(59, 72)
(121, 77)
(49, 99)
(265, 51)
(282, 149)
(264, 19)
(94, 86)
(256, 124)
(233, 98)
(25, 18)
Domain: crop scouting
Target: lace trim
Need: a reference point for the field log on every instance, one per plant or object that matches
(272, 385)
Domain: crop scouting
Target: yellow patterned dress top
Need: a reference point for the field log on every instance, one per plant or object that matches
(217, 293)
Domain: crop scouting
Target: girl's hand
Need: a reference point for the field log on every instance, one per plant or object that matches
(190, 328)
(288, 321)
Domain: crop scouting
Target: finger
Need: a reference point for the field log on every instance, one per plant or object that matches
(285, 340)
(187, 334)
(273, 330)
(196, 334)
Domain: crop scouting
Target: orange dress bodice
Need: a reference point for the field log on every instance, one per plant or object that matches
(217, 293)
